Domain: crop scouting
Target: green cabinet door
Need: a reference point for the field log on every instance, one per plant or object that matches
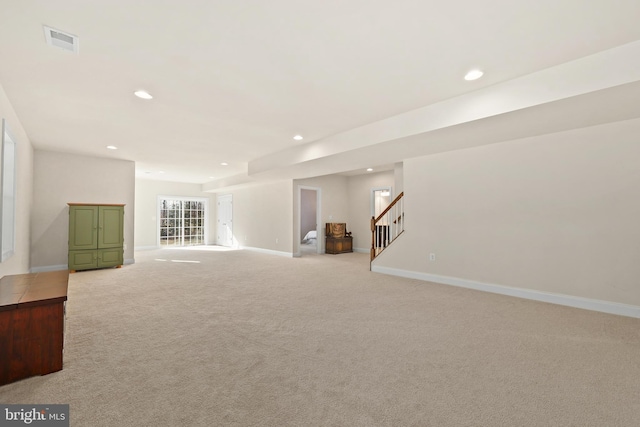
(110, 257)
(83, 260)
(110, 226)
(83, 227)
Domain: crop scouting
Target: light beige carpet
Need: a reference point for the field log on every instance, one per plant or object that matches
(208, 338)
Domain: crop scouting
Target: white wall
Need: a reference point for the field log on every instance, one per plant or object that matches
(146, 223)
(61, 178)
(19, 262)
(262, 217)
(359, 189)
(556, 214)
(398, 175)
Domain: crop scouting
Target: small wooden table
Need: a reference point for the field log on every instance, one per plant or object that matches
(31, 324)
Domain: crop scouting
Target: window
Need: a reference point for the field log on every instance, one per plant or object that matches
(8, 210)
(182, 222)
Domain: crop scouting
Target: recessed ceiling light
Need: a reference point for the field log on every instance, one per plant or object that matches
(369, 170)
(298, 137)
(473, 75)
(224, 163)
(112, 147)
(212, 177)
(143, 94)
(160, 171)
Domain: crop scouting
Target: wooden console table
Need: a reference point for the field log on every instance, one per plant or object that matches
(31, 324)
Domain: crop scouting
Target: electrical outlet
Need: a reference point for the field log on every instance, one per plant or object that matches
(276, 240)
(432, 257)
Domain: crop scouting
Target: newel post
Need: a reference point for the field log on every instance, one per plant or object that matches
(373, 238)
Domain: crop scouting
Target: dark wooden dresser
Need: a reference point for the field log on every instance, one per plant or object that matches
(32, 310)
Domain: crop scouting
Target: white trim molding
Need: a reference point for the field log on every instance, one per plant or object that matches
(47, 268)
(553, 298)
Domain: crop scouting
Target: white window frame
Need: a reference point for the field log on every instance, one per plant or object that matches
(203, 200)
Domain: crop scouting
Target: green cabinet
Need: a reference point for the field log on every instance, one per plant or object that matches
(96, 236)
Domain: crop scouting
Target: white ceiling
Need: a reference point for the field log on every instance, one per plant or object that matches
(234, 81)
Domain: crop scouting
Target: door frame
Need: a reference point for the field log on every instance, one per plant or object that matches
(372, 196)
(220, 197)
(319, 243)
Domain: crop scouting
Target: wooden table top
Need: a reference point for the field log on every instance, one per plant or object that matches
(33, 289)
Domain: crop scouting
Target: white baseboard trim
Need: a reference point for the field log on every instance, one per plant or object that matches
(268, 251)
(362, 250)
(59, 267)
(46, 268)
(146, 248)
(553, 298)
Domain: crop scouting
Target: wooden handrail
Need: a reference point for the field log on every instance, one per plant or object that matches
(390, 206)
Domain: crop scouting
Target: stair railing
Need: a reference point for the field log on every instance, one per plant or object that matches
(387, 226)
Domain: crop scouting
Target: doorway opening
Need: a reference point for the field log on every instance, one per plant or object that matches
(380, 199)
(309, 235)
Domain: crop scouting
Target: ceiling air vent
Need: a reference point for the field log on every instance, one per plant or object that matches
(61, 39)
